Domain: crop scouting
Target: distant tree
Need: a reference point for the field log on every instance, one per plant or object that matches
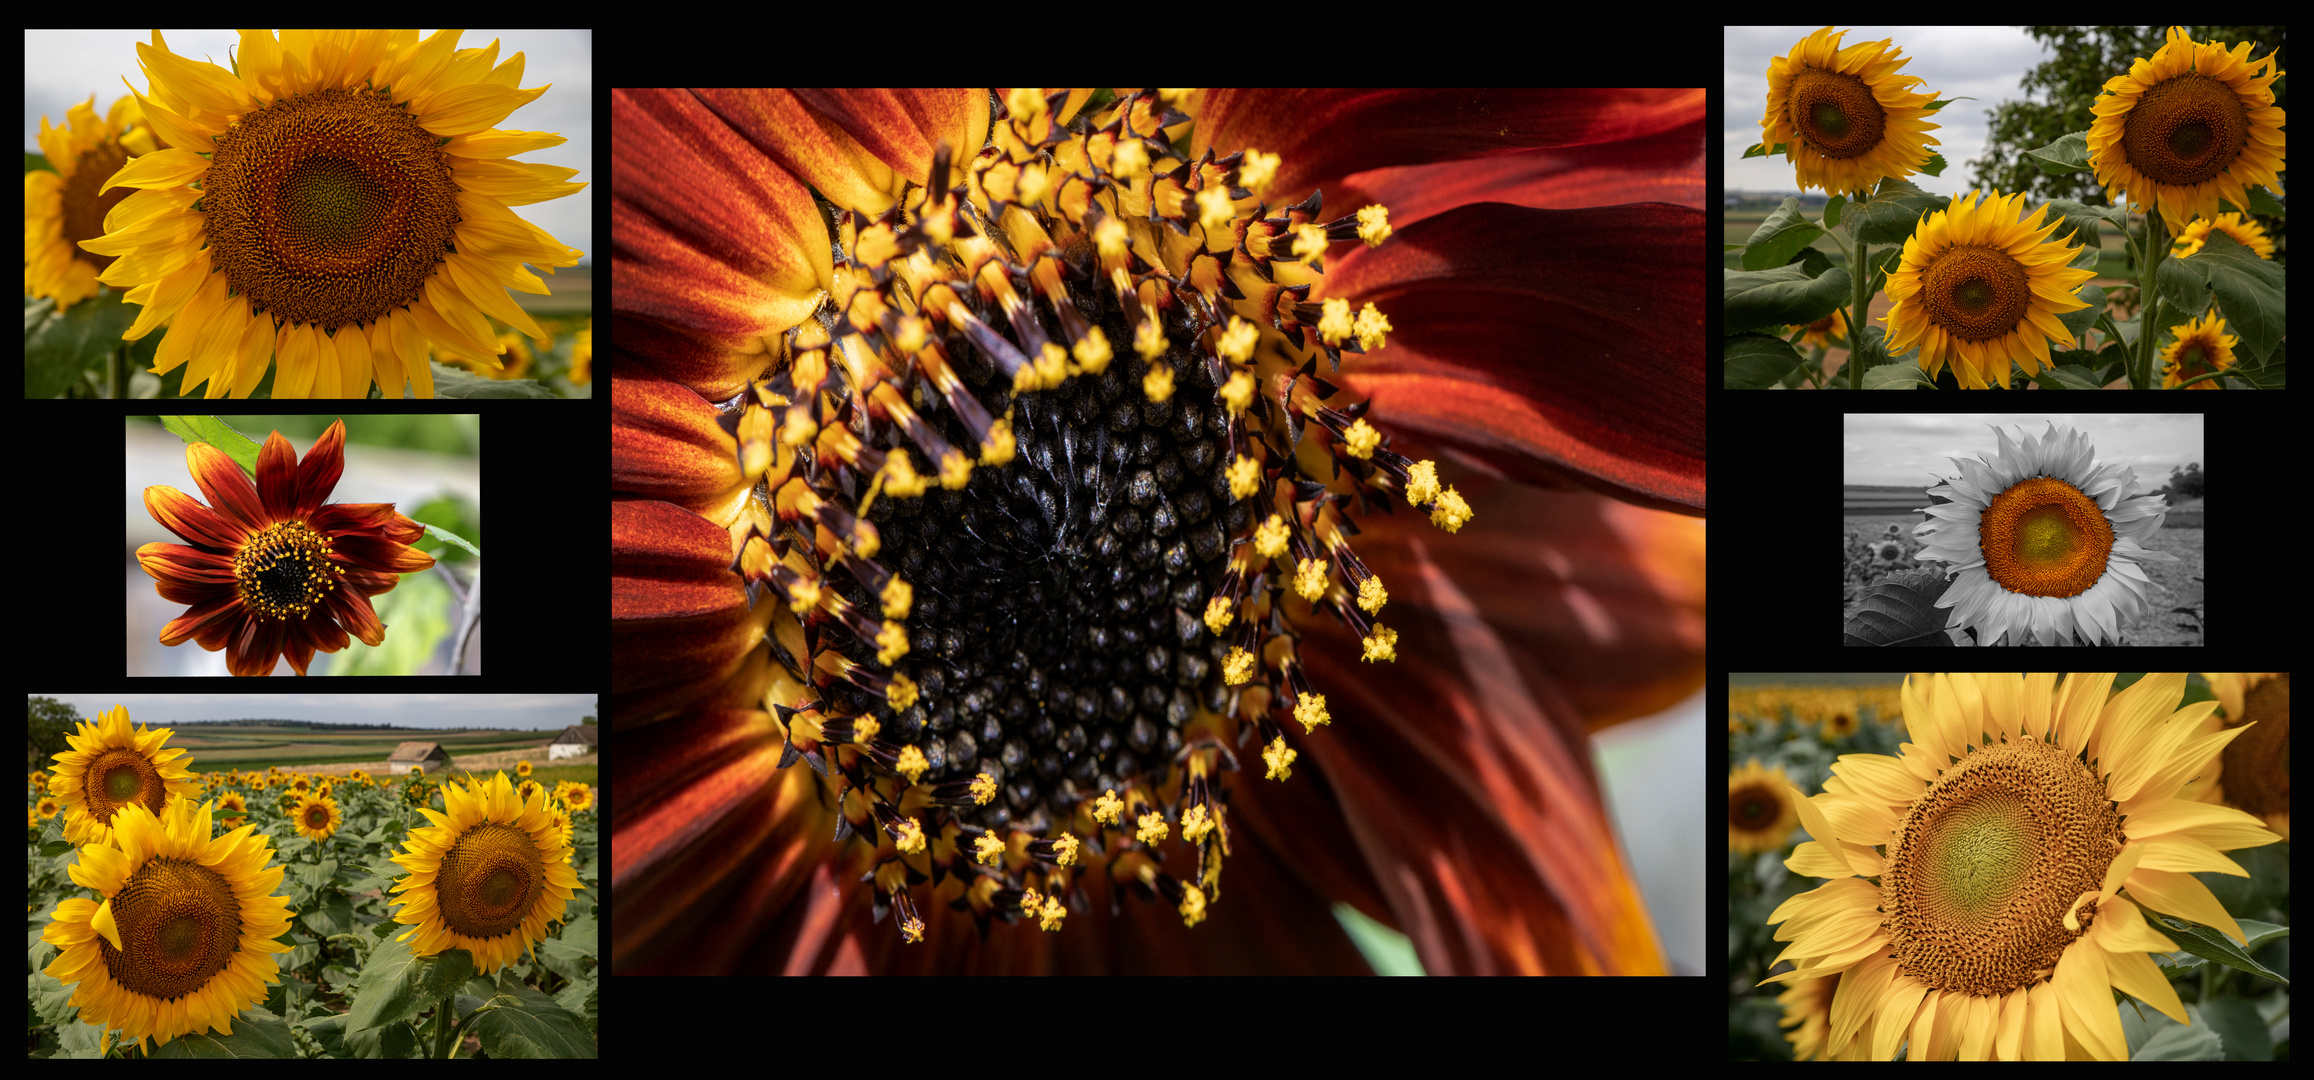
(2187, 482)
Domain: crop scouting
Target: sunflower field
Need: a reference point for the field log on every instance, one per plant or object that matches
(1943, 866)
(279, 914)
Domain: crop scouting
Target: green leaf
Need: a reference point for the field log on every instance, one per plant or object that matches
(217, 433)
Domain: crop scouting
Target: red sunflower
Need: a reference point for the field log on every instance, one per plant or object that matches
(982, 570)
(272, 570)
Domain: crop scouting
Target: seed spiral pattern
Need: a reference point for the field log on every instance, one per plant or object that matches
(331, 208)
(1985, 863)
(488, 880)
(2186, 130)
(1837, 113)
(179, 926)
(2043, 537)
(285, 571)
(1976, 293)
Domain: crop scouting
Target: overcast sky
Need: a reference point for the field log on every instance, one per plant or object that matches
(1895, 449)
(530, 712)
(1985, 63)
(63, 67)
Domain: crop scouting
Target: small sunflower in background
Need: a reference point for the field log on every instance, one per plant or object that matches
(2202, 346)
(347, 211)
(317, 817)
(2194, 124)
(1976, 905)
(1759, 808)
(1982, 285)
(2043, 539)
(110, 768)
(1845, 116)
(179, 943)
(488, 877)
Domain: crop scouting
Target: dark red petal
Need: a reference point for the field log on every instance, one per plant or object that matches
(203, 620)
(1560, 346)
(666, 444)
(847, 143)
(1666, 168)
(318, 476)
(184, 515)
(1324, 135)
(1465, 775)
(230, 493)
(712, 240)
(680, 619)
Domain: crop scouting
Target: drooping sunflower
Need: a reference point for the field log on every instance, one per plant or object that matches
(488, 877)
(334, 206)
(272, 570)
(1990, 884)
(1846, 118)
(2194, 124)
(2043, 539)
(1016, 602)
(111, 767)
(1981, 285)
(316, 816)
(179, 943)
(2201, 346)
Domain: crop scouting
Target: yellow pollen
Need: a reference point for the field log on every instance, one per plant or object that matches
(285, 571)
(1280, 758)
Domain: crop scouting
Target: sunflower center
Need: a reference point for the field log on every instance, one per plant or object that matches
(83, 208)
(179, 926)
(1836, 113)
(2043, 537)
(1985, 863)
(488, 880)
(1056, 637)
(284, 571)
(1976, 293)
(316, 817)
(330, 208)
(121, 777)
(2185, 130)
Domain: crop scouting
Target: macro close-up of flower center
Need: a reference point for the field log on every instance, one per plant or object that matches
(329, 208)
(1025, 517)
(1975, 293)
(1985, 864)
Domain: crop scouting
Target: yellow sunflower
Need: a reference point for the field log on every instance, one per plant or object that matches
(317, 816)
(1845, 117)
(336, 204)
(1976, 907)
(487, 877)
(2202, 346)
(178, 945)
(1982, 285)
(1759, 808)
(111, 767)
(61, 204)
(2194, 124)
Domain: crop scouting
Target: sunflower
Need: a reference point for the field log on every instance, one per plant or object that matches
(1976, 908)
(1980, 286)
(1759, 813)
(488, 877)
(2201, 346)
(316, 816)
(1088, 515)
(62, 206)
(2194, 124)
(1845, 117)
(179, 943)
(352, 192)
(2043, 539)
(111, 767)
(272, 571)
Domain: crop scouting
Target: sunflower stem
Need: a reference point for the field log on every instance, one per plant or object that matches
(2148, 317)
(1861, 278)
